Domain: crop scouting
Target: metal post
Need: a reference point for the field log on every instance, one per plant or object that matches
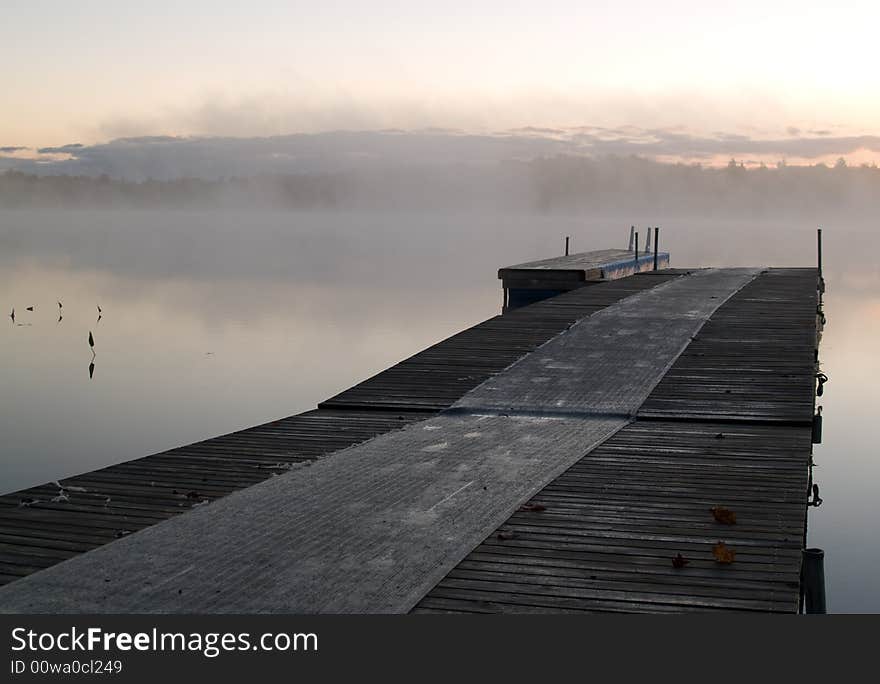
(636, 253)
(819, 248)
(648, 241)
(656, 241)
(813, 581)
(566, 245)
(632, 230)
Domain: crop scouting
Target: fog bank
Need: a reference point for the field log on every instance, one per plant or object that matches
(561, 183)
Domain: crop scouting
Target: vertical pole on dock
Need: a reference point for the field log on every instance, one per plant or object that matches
(566, 245)
(636, 253)
(632, 230)
(813, 581)
(819, 248)
(656, 240)
(648, 241)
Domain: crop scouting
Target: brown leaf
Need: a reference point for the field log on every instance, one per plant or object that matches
(723, 554)
(506, 535)
(723, 515)
(532, 508)
(679, 561)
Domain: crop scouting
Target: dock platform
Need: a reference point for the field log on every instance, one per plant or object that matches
(527, 283)
(554, 458)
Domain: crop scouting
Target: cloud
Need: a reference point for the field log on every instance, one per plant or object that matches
(72, 148)
(665, 144)
(11, 149)
(163, 157)
(168, 157)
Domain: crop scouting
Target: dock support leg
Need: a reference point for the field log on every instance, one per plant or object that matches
(813, 582)
(656, 240)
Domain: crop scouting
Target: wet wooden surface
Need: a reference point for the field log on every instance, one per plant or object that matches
(728, 426)
(44, 525)
(754, 360)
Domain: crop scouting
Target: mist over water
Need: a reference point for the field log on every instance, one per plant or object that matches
(217, 320)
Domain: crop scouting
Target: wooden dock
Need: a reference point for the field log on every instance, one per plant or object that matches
(728, 425)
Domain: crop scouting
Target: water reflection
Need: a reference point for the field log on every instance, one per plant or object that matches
(845, 463)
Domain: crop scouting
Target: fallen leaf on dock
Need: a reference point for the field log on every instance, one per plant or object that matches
(723, 515)
(506, 535)
(679, 561)
(532, 508)
(723, 554)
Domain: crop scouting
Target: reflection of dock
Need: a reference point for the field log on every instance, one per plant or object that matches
(554, 458)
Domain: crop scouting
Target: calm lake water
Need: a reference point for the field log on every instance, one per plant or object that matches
(217, 321)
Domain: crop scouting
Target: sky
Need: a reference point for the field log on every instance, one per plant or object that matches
(94, 71)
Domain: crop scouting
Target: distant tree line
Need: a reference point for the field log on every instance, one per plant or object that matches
(563, 183)
(685, 188)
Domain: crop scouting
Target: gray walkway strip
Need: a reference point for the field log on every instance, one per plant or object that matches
(374, 527)
(609, 363)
